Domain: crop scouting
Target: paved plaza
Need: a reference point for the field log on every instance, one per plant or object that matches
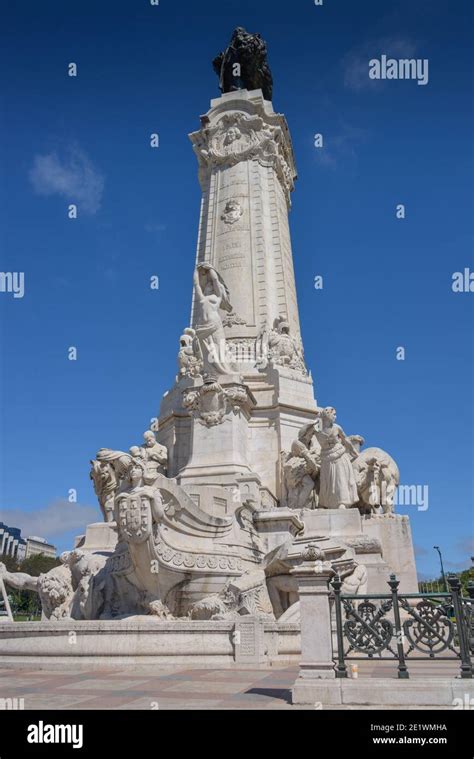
(178, 687)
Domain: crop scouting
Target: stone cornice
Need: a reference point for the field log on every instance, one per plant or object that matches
(243, 127)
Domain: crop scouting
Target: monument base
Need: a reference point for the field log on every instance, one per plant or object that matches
(382, 692)
(145, 642)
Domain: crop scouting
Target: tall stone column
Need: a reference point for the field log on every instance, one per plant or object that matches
(247, 172)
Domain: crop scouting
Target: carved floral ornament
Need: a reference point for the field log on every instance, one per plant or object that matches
(242, 137)
(197, 561)
(211, 402)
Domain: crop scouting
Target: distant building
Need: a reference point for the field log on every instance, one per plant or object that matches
(12, 544)
(35, 546)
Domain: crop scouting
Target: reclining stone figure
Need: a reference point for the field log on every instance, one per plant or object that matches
(64, 590)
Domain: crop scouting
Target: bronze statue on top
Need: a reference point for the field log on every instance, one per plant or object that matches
(243, 65)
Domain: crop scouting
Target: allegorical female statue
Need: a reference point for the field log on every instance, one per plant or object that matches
(338, 488)
(212, 295)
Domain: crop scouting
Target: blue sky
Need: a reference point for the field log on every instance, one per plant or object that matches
(387, 282)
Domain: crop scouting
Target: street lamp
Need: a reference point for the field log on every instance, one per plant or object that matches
(437, 548)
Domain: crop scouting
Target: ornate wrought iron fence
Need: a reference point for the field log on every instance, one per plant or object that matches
(407, 627)
(468, 606)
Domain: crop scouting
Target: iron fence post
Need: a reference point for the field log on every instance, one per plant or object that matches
(341, 669)
(470, 618)
(403, 673)
(466, 666)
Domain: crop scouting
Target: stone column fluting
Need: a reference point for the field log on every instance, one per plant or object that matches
(247, 174)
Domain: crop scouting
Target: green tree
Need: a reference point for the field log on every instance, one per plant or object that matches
(466, 576)
(10, 563)
(38, 564)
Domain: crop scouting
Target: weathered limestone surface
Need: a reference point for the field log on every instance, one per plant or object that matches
(394, 535)
(145, 642)
(247, 172)
(211, 519)
(382, 543)
(312, 577)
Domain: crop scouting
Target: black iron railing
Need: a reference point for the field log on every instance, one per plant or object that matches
(404, 627)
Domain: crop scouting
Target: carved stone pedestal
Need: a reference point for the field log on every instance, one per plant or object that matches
(313, 576)
(219, 453)
(277, 527)
(382, 543)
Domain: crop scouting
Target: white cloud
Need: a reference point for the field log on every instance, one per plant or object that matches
(356, 62)
(340, 147)
(52, 521)
(73, 176)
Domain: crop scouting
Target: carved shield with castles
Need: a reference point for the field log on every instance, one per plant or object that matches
(135, 516)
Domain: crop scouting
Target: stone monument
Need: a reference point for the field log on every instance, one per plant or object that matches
(215, 517)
